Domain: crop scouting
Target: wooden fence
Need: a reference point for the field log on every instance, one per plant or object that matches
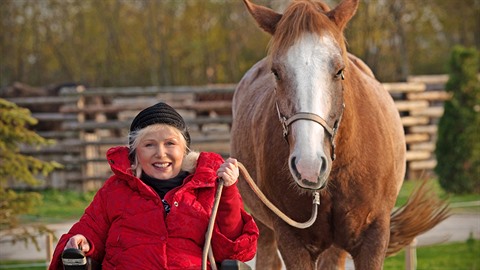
(86, 122)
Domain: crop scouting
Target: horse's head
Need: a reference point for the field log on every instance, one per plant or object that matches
(308, 57)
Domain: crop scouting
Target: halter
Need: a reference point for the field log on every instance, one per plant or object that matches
(332, 131)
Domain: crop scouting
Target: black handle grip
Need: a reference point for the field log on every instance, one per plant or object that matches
(74, 259)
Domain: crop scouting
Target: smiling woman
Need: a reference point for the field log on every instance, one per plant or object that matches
(159, 140)
(154, 211)
(159, 152)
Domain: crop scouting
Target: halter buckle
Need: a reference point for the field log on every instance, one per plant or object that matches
(316, 198)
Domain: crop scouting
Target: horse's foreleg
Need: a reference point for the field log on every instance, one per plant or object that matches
(294, 253)
(370, 253)
(267, 254)
(332, 259)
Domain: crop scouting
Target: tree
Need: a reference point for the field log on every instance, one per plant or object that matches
(171, 42)
(458, 143)
(17, 168)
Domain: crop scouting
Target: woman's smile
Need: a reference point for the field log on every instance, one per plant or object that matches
(161, 165)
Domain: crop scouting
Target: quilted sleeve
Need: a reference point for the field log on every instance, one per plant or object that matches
(229, 218)
(235, 234)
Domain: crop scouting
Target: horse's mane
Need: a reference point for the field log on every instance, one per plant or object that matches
(303, 16)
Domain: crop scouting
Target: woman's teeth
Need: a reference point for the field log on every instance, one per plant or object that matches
(161, 165)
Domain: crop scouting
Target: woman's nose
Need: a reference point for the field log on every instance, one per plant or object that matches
(160, 151)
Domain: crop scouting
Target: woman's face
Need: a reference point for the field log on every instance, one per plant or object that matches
(160, 153)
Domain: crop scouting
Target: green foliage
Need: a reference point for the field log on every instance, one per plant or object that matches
(172, 42)
(137, 43)
(458, 143)
(14, 132)
(18, 168)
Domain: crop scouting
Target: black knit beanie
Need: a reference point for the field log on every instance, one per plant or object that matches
(160, 113)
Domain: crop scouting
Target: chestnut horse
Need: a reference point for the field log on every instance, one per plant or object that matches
(312, 117)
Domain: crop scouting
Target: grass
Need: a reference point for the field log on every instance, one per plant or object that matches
(59, 206)
(409, 186)
(23, 265)
(456, 256)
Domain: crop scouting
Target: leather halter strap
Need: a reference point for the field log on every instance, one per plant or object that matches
(332, 131)
(307, 116)
(286, 122)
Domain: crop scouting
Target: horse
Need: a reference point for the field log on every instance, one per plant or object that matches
(311, 117)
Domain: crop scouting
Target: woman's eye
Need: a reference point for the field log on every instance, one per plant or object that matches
(170, 143)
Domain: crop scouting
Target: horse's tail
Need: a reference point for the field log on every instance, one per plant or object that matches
(423, 211)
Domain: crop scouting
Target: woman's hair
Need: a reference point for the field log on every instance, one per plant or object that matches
(136, 136)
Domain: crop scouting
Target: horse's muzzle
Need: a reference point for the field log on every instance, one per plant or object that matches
(313, 175)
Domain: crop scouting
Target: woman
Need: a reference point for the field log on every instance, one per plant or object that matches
(154, 211)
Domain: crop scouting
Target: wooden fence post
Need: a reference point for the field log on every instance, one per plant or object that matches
(49, 248)
(411, 255)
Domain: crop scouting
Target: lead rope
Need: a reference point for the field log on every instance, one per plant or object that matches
(207, 249)
(280, 214)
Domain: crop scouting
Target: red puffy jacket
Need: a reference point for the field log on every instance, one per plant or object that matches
(127, 227)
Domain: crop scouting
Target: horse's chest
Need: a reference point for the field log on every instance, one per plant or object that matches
(318, 239)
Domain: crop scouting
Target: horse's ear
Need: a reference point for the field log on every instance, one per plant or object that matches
(342, 13)
(266, 18)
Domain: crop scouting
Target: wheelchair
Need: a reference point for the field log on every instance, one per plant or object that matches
(75, 259)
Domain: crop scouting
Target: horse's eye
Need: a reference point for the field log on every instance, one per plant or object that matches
(275, 73)
(340, 74)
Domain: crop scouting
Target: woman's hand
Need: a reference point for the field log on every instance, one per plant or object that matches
(228, 171)
(78, 241)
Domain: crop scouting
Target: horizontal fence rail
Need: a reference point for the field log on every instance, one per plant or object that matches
(85, 122)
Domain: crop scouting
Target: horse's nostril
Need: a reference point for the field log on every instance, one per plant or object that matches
(324, 166)
(293, 166)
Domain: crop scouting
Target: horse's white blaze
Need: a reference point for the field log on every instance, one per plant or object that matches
(311, 60)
